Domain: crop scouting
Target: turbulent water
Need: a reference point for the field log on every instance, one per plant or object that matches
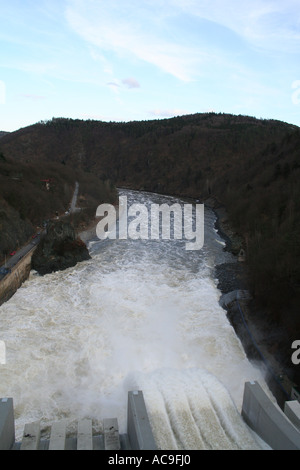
(138, 315)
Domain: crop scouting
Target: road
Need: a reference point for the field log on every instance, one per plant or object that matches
(13, 260)
(74, 199)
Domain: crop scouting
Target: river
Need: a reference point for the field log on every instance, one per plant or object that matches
(141, 314)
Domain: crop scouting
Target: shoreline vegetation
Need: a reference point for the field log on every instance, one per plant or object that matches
(265, 343)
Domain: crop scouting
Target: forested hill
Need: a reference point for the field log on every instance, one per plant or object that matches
(33, 192)
(250, 165)
(185, 155)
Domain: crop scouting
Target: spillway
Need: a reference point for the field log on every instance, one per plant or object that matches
(141, 314)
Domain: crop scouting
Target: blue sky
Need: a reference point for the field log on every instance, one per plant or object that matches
(124, 60)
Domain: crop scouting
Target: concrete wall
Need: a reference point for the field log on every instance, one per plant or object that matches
(7, 424)
(138, 426)
(279, 430)
(12, 281)
(268, 420)
(292, 411)
(139, 432)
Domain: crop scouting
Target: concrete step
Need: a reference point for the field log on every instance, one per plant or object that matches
(58, 436)
(85, 435)
(111, 434)
(31, 436)
(138, 437)
(109, 440)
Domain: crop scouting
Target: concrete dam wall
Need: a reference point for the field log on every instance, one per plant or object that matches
(280, 430)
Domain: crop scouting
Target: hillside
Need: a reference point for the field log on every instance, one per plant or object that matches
(179, 155)
(32, 193)
(250, 166)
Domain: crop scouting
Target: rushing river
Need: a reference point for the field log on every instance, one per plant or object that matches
(138, 315)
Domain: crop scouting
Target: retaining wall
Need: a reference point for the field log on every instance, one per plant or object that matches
(19, 274)
(268, 420)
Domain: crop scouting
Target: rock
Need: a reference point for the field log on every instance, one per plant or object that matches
(227, 299)
(231, 277)
(242, 256)
(59, 249)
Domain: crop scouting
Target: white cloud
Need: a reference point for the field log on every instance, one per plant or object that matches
(137, 31)
(131, 82)
(117, 85)
(32, 96)
(268, 24)
(99, 57)
(151, 31)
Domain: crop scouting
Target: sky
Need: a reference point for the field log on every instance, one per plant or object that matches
(128, 60)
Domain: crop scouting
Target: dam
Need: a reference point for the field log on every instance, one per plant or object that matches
(278, 430)
(139, 435)
(142, 316)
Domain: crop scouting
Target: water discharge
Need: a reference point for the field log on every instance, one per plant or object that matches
(138, 315)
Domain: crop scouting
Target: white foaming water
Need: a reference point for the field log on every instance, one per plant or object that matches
(139, 314)
(192, 410)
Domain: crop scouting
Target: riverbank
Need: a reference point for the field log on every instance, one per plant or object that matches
(10, 283)
(264, 342)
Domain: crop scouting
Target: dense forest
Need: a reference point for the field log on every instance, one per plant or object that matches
(31, 194)
(251, 166)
